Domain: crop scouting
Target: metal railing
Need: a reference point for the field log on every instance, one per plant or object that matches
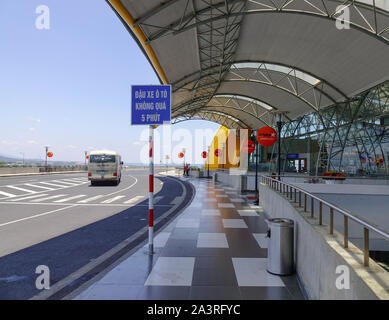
(308, 177)
(294, 194)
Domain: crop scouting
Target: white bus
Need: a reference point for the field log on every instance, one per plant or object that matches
(104, 166)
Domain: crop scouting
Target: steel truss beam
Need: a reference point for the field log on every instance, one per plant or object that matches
(179, 84)
(364, 17)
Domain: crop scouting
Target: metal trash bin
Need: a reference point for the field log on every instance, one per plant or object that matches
(280, 246)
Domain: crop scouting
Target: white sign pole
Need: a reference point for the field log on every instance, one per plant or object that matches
(151, 189)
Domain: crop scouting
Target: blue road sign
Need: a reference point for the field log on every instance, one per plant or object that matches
(150, 104)
(292, 156)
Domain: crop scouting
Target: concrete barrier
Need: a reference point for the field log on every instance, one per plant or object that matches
(6, 172)
(318, 255)
(237, 182)
(18, 170)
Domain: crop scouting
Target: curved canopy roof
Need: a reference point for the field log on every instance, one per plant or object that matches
(239, 62)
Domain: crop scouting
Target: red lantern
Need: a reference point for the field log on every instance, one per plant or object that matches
(181, 155)
(204, 154)
(248, 146)
(218, 152)
(50, 154)
(266, 136)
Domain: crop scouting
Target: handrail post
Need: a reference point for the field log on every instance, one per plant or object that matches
(291, 193)
(299, 199)
(295, 195)
(305, 202)
(366, 247)
(331, 220)
(312, 207)
(321, 213)
(345, 231)
(287, 191)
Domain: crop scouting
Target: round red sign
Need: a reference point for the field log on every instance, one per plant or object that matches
(204, 154)
(248, 146)
(266, 136)
(49, 154)
(218, 152)
(180, 155)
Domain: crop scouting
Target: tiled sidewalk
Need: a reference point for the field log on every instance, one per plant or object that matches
(215, 249)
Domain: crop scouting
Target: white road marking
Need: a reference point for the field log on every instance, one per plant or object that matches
(113, 199)
(35, 216)
(66, 183)
(21, 189)
(35, 186)
(49, 198)
(176, 200)
(157, 199)
(91, 199)
(132, 200)
(71, 198)
(54, 185)
(80, 204)
(30, 197)
(73, 181)
(7, 194)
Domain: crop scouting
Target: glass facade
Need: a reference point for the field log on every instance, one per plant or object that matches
(350, 137)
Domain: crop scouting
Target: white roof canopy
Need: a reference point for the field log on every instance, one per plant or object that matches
(237, 62)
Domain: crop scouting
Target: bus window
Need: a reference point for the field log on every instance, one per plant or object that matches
(101, 159)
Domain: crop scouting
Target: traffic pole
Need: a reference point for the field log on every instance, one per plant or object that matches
(209, 148)
(151, 189)
(47, 149)
(279, 128)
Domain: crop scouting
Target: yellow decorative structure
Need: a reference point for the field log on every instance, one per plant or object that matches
(228, 142)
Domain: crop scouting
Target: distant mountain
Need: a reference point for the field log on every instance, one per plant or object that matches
(11, 159)
(5, 158)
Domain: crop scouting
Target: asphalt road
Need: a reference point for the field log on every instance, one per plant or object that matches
(62, 222)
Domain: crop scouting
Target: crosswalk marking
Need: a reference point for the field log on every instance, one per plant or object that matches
(35, 186)
(71, 198)
(91, 199)
(49, 198)
(21, 189)
(54, 185)
(73, 180)
(30, 197)
(113, 199)
(66, 183)
(132, 200)
(7, 194)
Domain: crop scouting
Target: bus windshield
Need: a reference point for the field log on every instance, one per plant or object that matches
(101, 159)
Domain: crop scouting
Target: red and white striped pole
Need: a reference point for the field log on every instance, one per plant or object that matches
(151, 189)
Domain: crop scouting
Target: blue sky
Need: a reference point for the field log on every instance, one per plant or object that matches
(69, 87)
